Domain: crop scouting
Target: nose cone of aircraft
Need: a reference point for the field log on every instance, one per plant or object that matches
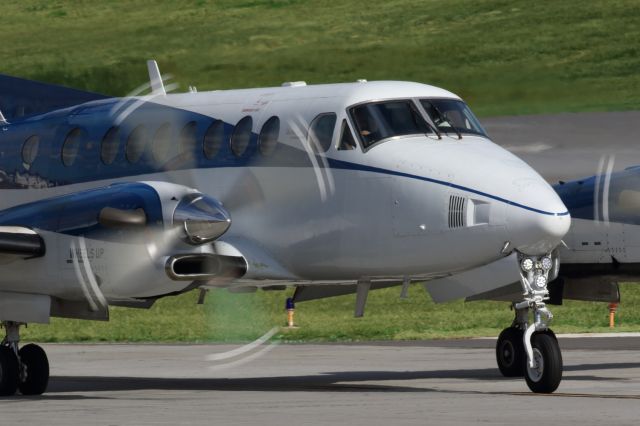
(538, 227)
(506, 193)
(536, 219)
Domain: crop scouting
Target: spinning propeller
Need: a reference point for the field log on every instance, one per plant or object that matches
(170, 143)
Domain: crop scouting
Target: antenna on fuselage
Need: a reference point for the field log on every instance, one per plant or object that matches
(155, 79)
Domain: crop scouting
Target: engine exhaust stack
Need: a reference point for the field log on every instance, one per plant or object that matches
(204, 266)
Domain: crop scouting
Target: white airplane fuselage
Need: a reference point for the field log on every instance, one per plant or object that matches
(413, 206)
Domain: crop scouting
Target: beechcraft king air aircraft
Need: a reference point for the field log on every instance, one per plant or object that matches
(329, 188)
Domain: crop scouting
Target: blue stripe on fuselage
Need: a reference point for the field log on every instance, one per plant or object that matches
(337, 164)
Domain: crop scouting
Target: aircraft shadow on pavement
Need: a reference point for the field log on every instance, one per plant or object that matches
(332, 381)
(347, 381)
(602, 366)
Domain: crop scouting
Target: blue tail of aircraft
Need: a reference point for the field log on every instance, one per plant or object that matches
(22, 98)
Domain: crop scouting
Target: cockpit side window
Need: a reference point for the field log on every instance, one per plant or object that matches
(452, 115)
(347, 142)
(377, 121)
(321, 132)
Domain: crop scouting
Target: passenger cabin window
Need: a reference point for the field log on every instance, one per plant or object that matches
(346, 138)
(188, 138)
(321, 132)
(451, 115)
(241, 136)
(382, 120)
(110, 145)
(213, 138)
(269, 136)
(71, 146)
(136, 144)
(30, 149)
(162, 143)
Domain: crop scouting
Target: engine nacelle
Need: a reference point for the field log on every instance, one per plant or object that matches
(113, 244)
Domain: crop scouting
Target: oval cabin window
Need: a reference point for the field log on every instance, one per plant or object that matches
(110, 145)
(213, 139)
(241, 136)
(30, 149)
(269, 136)
(135, 144)
(188, 138)
(162, 143)
(71, 146)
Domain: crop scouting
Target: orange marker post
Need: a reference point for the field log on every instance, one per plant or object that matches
(613, 307)
(290, 306)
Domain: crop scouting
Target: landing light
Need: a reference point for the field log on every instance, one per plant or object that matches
(547, 263)
(527, 264)
(541, 281)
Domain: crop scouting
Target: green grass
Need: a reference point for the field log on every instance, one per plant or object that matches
(503, 56)
(227, 317)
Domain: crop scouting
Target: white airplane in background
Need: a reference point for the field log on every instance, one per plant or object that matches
(330, 188)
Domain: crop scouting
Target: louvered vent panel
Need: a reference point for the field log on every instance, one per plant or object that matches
(457, 205)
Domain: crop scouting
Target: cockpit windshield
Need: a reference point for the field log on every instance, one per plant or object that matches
(452, 116)
(382, 120)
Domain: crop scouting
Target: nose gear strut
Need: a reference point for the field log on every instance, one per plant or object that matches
(531, 348)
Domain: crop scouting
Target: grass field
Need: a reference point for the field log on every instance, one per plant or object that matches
(504, 57)
(241, 317)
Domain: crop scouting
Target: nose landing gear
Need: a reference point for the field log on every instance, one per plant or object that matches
(532, 350)
(25, 369)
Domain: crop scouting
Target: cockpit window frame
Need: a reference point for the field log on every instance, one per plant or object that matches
(416, 102)
(345, 127)
(361, 143)
(436, 98)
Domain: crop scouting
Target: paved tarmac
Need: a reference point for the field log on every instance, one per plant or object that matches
(570, 146)
(440, 383)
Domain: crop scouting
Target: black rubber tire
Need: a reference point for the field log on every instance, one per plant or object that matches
(550, 333)
(36, 365)
(550, 377)
(8, 371)
(510, 354)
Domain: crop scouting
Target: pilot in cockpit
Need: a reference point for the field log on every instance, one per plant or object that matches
(367, 126)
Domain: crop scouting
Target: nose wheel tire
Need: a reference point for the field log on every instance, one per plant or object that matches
(8, 371)
(36, 370)
(510, 353)
(545, 377)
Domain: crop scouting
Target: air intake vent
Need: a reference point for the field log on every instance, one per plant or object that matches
(456, 211)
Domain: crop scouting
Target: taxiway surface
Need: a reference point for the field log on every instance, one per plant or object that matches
(440, 383)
